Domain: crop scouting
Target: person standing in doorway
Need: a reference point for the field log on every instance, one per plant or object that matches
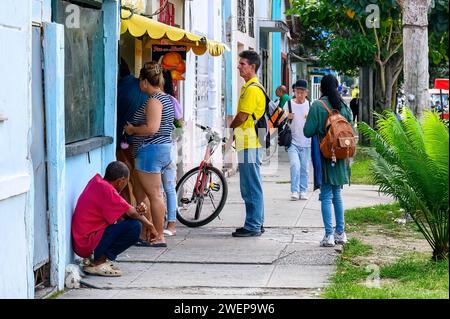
(129, 99)
(151, 128)
(300, 150)
(252, 103)
(169, 174)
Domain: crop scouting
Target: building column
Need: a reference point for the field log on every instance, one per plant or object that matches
(276, 49)
(111, 26)
(56, 150)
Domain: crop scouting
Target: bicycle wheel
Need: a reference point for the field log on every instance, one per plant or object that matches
(195, 210)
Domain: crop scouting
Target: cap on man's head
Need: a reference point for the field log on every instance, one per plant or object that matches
(301, 84)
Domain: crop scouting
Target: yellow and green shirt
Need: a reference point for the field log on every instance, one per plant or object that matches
(252, 101)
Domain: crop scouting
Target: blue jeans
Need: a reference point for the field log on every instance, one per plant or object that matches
(117, 238)
(331, 194)
(251, 188)
(169, 181)
(153, 158)
(299, 157)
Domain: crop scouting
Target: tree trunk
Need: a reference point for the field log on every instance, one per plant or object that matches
(391, 71)
(415, 48)
(366, 99)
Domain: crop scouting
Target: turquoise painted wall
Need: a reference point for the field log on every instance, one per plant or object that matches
(226, 11)
(55, 139)
(81, 168)
(276, 49)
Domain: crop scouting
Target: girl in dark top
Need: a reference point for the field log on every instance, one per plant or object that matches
(334, 175)
(151, 128)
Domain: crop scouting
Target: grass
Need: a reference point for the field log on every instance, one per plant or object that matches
(376, 215)
(414, 276)
(385, 215)
(361, 167)
(411, 276)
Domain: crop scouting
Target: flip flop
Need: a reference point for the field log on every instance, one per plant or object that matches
(143, 243)
(169, 233)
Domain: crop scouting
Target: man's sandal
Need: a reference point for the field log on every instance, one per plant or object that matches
(104, 269)
(87, 262)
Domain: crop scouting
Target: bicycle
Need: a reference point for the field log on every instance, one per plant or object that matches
(202, 192)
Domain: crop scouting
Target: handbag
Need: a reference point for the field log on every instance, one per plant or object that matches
(285, 133)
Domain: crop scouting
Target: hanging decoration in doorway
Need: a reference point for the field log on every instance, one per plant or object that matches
(171, 58)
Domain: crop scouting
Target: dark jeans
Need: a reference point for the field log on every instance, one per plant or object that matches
(117, 238)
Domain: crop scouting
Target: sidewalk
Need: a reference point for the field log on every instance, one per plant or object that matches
(206, 262)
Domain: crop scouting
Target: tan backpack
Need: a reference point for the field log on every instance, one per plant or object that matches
(340, 140)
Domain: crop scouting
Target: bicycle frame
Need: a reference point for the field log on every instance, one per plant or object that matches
(213, 142)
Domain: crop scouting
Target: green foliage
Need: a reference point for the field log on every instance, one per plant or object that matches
(326, 21)
(347, 55)
(412, 166)
(337, 30)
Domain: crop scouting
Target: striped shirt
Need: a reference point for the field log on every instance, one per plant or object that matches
(164, 135)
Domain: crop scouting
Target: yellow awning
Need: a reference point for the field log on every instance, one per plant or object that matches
(138, 25)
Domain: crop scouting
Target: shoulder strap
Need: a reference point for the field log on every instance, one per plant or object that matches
(259, 86)
(326, 107)
(262, 89)
(290, 109)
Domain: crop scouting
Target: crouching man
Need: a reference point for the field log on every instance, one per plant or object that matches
(104, 224)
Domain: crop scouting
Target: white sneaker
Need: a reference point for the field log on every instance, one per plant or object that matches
(340, 239)
(295, 196)
(303, 196)
(327, 241)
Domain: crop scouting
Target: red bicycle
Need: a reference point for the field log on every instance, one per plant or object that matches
(202, 191)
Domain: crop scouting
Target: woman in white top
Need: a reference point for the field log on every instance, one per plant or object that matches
(300, 150)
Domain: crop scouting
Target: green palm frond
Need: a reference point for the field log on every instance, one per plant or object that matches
(413, 130)
(436, 141)
(412, 166)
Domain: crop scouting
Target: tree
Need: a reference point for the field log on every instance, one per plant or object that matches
(415, 48)
(348, 34)
(438, 21)
(411, 164)
(354, 39)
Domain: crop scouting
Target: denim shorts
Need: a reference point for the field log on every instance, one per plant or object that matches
(153, 158)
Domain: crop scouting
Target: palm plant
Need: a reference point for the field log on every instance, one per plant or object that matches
(411, 164)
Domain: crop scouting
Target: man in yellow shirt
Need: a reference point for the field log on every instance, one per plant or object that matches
(355, 92)
(252, 104)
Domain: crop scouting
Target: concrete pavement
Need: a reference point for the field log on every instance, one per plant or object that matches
(285, 262)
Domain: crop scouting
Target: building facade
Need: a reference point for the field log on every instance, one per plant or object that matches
(200, 93)
(58, 117)
(58, 108)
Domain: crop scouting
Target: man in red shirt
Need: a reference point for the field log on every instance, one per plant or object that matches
(104, 224)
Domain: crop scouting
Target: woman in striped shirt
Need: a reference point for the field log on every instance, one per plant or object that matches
(151, 128)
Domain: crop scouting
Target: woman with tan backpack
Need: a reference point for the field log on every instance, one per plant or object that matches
(334, 165)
